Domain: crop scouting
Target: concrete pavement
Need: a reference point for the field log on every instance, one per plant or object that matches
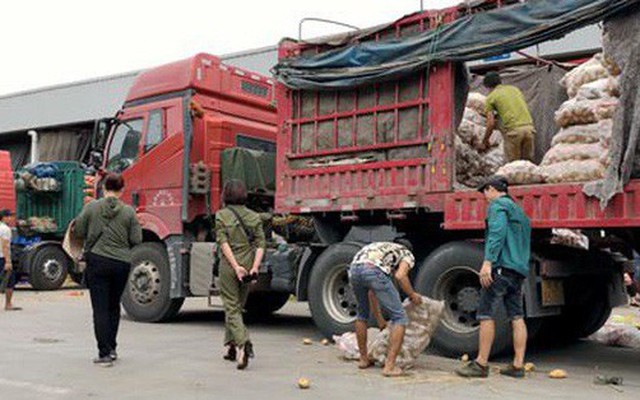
(47, 350)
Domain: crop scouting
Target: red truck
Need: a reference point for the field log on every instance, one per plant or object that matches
(364, 164)
(7, 193)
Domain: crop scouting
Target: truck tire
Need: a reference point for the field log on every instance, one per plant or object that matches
(263, 304)
(450, 273)
(581, 321)
(331, 299)
(48, 267)
(146, 297)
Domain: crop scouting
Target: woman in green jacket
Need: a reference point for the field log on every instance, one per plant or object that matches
(240, 237)
(109, 229)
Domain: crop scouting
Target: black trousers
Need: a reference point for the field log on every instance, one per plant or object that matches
(106, 279)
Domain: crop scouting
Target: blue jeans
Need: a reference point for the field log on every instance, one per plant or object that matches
(363, 278)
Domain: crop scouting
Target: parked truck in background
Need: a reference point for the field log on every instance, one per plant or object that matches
(42, 216)
(7, 194)
(364, 164)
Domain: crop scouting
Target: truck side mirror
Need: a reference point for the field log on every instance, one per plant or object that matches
(96, 159)
(101, 133)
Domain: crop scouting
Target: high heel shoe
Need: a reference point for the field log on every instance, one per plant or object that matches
(248, 348)
(232, 353)
(244, 353)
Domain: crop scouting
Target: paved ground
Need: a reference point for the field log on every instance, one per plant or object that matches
(47, 349)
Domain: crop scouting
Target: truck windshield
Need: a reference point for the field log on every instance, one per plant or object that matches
(124, 146)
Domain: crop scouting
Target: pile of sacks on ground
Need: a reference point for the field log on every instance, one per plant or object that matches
(579, 151)
(473, 163)
(423, 321)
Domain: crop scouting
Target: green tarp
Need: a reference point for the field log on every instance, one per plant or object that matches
(257, 169)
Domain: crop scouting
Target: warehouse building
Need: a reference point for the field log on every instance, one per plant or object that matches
(63, 116)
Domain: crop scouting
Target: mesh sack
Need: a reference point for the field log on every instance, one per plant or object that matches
(591, 133)
(423, 321)
(494, 159)
(472, 167)
(477, 101)
(574, 151)
(469, 131)
(605, 131)
(606, 108)
(521, 172)
(573, 171)
(600, 89)
(582, 112)
(474, 116)
(605, 158)
(347, 343)
(587, 72)
(570, 238)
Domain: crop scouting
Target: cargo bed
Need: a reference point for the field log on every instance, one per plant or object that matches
(550, 206)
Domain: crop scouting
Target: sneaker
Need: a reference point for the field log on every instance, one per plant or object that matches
(105, 361)
(473, 370)
(512, 371)
(113, 355)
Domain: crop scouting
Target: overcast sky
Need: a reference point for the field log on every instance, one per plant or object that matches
(47, 42)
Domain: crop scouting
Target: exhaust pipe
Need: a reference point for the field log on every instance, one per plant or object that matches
(34, 146)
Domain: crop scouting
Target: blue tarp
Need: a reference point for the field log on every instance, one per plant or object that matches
(472, 37)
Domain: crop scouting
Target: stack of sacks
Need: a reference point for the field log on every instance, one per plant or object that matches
(42, 224)
(472, 163)
(579, 152)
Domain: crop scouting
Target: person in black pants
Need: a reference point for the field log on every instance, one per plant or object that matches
(110, 229)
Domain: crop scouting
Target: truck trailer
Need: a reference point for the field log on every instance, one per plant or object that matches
(362, 164)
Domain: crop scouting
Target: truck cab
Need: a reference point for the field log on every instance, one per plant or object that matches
(169, 142)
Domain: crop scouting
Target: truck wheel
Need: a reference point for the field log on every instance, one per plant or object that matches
(48, 268)
(263, 304)
(146, 297)
(331, 298)
(450, 274)
(581, 321)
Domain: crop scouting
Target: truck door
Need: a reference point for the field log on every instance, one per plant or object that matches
(123, 153)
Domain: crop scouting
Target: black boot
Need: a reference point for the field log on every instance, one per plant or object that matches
(231, 353)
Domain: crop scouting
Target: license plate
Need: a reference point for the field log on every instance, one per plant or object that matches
(552, 292)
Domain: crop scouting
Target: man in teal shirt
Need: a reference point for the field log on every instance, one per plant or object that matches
(506, 265)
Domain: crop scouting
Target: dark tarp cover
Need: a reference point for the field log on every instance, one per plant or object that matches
(257, 169)
(471, 37)
(622, 43)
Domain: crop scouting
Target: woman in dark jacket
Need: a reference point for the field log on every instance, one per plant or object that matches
(110, 229)
(240, 236)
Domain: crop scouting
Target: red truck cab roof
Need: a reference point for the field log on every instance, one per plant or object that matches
(206, 74)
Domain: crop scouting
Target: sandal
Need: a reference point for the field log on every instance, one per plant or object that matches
(397, 372)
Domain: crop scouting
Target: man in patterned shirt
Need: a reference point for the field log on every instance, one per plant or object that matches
(372, 270)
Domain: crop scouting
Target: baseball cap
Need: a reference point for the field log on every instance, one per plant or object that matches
(497, 182)
(5, 212)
